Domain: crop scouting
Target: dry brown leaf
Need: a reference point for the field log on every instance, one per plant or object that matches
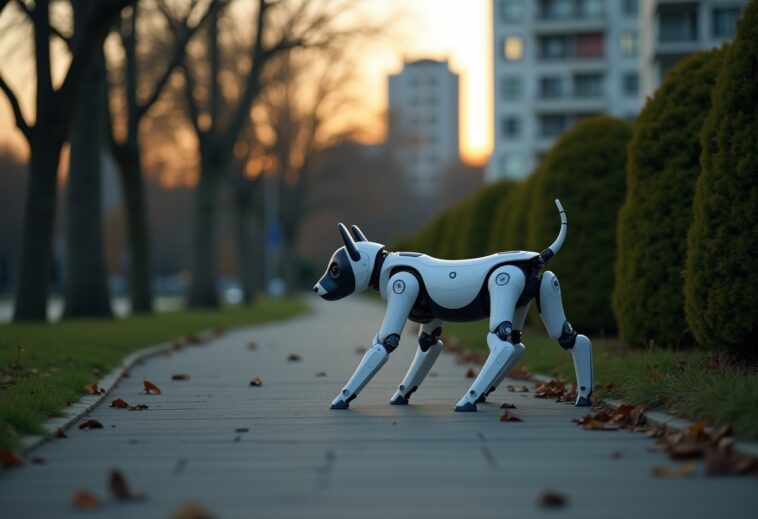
(520, 373)
(321, 374)
(180, 376)
(723, 432)
(138, 407)
(686, 452)
(90, 424)
(120, 404)
(150, 388)
(85, 500)
(193, 339)
(60, 433)
(252, 345)
(256, 382)
(120, 489)
(92, 389)
(679, 471)
(470, 373)
(506, 405)
(552, 499)
(191, 511)
(695, 433)
(10, 459)
(509, 417)
(294, 357)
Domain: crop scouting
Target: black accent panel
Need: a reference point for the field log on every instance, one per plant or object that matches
(410, 254)
(351, 398)
(381, 256)
(516, 336)
(531, 288)
(568, 336)
(391, 342)
(426, 341)
(504, 331)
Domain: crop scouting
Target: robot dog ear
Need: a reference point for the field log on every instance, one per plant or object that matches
(352, 250)
(359, 236)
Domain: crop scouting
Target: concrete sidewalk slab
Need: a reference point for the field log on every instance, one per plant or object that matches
(279, 451)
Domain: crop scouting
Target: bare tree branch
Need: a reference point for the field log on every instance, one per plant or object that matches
(194, 113)
(53, 30)
(20, 121)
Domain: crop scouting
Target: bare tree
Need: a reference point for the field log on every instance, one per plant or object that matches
(127, 150)
(54, 107)
(279, 28)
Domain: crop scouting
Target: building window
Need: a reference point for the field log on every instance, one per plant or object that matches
(630, 7)
(551, 87)
(725, 22)
(552, 9)
(588, 85)
(554, 47)
(511, 10)
(677, 23)
(511, 165)
(513, 48)
(631, 84)
(590, 8)
(551, 125)
(511, 127)
(511, 88)
(589, 45)
(629, 44)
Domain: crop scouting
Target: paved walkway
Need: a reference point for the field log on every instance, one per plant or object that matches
(278, 451)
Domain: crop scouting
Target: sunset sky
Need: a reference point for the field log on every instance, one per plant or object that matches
(439, 29)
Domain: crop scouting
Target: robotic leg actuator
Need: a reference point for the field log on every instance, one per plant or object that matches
(402, 291)
(559, 329)
(505, 286)
(429, 348)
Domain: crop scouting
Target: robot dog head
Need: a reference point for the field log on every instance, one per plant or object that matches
(349, 269)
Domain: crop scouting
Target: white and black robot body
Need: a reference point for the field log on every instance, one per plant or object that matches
(432, 291)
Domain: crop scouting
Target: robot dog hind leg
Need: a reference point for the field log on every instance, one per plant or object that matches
(505, 285)
(559, 329)
(429, 348)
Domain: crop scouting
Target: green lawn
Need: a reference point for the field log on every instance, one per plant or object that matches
(689, 384)
(57, 360)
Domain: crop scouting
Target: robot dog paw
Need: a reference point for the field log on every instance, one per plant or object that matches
(468, 407)
(340, 404)
(399, 400)
(583, 402)
(482, 399)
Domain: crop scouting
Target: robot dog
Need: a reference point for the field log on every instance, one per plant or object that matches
(430, 291)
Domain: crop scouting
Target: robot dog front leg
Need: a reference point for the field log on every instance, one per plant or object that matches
(429, 348)
(505, 286)
(402, 292)
(559, 329)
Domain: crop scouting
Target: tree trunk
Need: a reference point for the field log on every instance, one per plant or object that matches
(244, 238)
(39, 215)
(203, 292)
(86, 292)
(133, 189)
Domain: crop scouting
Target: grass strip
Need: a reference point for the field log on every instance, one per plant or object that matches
(45, 366)
(690, 384)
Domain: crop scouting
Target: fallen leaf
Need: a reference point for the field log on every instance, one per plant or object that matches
(616, 455)
(506, 405)
(470, 373)
(150, 388)
(522, 389)
(120, 404)
(256, 382)
(360, 350)
(696, 432)
(721, 433)
(138, 407)
(191, 511)
(90, 424)
(552, 499)
(520, 373)
(294, 357)
(686, 452)
(59, 433)
(193, 339)
(242, 430)
(92, 389)
(120, 489)
(321, 374)
(680, 471)
(10, 459)
(508, 417)
(252, 345)
(180, 376)
(86, 501)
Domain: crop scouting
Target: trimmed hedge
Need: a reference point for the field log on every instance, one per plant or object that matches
(508, 231)
(586, 170)
(721, 283)
(479, 219)
(662, 169)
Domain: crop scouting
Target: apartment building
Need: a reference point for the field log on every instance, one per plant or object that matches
(423, 122)
(673, 29)
(555, 62)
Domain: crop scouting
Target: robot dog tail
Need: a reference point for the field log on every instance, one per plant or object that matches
(556, 245)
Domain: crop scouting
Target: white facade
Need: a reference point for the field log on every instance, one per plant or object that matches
(423, 121)
(555, 62)
(673, 29)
